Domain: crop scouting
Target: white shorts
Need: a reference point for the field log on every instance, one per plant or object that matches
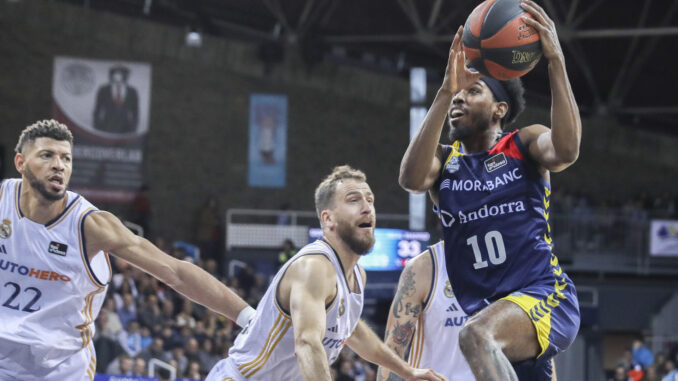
(80, 366)
(225, 370)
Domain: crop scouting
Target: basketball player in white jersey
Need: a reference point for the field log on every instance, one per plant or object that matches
(54, 265)
(313, 306)
(425, 309)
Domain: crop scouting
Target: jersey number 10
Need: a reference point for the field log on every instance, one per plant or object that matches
(496, 252)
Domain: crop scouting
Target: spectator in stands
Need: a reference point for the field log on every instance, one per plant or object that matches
(170, 338)
(651, 374)
(122, 365)
(246, 279)
(154, 351)
(636, 373)
(185, 316)
(127, 312)
(345, 370)
(257, 292)
(626, 361)
(199, 332)
(212, 267)
(146, 338)
(140, 368)
(642, 354)
(193, 371)
(620, 374)
(167, 310)
(179, 252)
(671, 371)
(287, 251)
(181, 361)
(130, 338)
(106, 347)
(109, 324)
(149, 313)
(192, 350)
(207, 357)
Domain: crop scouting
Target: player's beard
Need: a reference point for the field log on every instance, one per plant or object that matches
(42, 188)
(463, 132)
(356, 241)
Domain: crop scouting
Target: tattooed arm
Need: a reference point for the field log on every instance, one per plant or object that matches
(413, 289)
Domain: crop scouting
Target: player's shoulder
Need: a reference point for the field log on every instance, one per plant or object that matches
(311, 265)
(420, 267)
(529, 133)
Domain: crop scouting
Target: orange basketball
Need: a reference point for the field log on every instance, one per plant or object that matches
(498, 43)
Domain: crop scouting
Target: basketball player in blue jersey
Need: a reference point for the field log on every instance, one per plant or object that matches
(425, 320)
(492, 192)
(55, 269)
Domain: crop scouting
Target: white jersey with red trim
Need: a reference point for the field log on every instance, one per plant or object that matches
(436, 338)
(50, 293)
(264, 350)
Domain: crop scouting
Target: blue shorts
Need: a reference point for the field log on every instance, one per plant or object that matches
(554, 310)
(533, 370)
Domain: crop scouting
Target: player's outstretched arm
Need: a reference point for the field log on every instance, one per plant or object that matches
(368, 346)
(105, 232)
(558, 148)
(413, 289)
(420, 166)
(309, 283)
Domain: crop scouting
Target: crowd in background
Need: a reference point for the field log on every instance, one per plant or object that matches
(640, 364)
(142, 319)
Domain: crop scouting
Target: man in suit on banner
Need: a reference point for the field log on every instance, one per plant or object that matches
(117, 103)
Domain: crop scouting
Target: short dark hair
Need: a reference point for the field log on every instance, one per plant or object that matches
(48, 128)
(516, 93)
(325, 191)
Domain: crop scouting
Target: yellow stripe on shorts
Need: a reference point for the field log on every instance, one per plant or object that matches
(539, 314)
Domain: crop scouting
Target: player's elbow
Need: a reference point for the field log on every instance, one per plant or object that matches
(569, 155)
(410, 183)
(305, 344)
(565, 158)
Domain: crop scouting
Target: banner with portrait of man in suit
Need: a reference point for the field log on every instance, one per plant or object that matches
(106, 105)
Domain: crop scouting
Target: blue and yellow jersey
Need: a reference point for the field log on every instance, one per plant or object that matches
(494, 208)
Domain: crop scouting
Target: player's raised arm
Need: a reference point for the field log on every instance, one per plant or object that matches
(413, 289)
(420, 166)
(310, 283)
(368, 346)
(558, 148)
(105, 232)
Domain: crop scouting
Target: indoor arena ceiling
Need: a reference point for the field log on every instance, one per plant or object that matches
(621, 54)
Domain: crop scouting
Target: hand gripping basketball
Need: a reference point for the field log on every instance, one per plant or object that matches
(457, 75)
(546, 27)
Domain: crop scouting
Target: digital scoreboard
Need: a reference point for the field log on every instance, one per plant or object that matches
(392, 248)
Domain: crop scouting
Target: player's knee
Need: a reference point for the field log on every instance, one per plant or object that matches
(472, 336)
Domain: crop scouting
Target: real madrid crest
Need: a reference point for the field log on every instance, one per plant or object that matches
(448, 290)
(5, 228)
(452, 166)
(342, 308)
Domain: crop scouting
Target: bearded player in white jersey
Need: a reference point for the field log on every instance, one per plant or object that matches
(425, 319)
(54, 265)
(312, 308)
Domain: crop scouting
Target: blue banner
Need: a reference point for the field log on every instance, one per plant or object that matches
(268, 140)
